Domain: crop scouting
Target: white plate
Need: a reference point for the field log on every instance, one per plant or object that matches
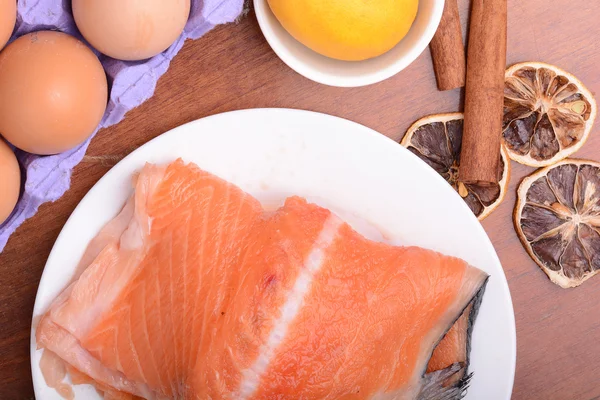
(275, 152)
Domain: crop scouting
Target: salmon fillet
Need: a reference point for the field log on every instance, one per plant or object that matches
(195, 292)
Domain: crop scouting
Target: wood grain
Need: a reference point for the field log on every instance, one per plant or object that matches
(558, 330)
(448, 50)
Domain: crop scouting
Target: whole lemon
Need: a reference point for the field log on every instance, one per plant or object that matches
(350, 30)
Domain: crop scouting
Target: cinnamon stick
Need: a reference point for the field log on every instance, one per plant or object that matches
(448, 50)
(484, 93)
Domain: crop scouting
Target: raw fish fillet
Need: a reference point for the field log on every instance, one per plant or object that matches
(195, 292)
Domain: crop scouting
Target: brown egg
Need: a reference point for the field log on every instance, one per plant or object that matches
(131, 29)
(53, 92)
(10, 181)
(8, 17)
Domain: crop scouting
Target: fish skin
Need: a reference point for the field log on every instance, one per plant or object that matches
(163, 313)
(434, 389)
(452, 382)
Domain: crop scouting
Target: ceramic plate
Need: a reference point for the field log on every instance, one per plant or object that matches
(272, 153)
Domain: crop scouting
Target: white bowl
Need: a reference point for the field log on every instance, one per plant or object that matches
(350, 73)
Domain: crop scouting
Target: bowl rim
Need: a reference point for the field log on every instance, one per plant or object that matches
(261, 8)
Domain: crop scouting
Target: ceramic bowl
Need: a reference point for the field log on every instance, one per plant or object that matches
(333, 72)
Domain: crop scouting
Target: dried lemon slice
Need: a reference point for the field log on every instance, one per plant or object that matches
(557, 218)
(548, 113)
(437, 140)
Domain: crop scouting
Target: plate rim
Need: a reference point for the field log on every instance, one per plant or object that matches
(181, 129)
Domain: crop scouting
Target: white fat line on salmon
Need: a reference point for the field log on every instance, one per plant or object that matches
(313, 263)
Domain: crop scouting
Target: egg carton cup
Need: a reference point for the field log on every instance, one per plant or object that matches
(47, 178)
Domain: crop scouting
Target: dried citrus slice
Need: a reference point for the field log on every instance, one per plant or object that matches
(548, 113)
(557, 218)
(437, 140)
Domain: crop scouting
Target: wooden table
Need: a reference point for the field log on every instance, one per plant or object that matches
(558, 330)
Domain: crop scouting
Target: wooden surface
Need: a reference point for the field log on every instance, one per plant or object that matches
(558, 330)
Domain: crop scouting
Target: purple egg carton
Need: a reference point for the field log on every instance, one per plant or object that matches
(47, 178)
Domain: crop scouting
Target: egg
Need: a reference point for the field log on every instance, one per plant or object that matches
(53, 92)
(131, 29)
(10, 181)
(8, 17)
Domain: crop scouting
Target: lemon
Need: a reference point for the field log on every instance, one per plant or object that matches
(436, 139)
(548, 113)
(557, 220)
(350, 30)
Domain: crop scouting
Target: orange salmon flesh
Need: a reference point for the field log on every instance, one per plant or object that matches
(194, 291)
